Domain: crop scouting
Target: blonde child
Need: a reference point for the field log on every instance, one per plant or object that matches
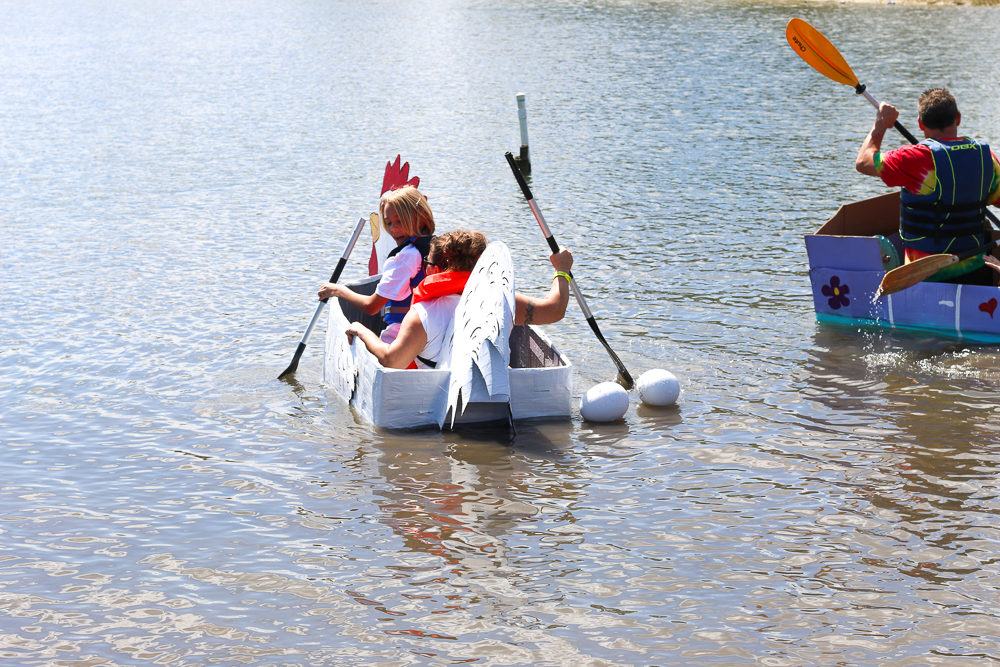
(407, 217)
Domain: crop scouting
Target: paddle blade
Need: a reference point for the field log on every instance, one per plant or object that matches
(292, 367)
(625, 380)
(817, 50)
(910, 274)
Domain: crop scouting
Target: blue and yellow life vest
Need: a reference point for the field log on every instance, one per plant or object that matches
(950, 219)
(395, 311)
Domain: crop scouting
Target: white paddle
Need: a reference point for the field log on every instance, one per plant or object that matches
(319, 309)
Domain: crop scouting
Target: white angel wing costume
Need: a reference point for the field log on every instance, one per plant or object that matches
(341, 367)
(477, 345)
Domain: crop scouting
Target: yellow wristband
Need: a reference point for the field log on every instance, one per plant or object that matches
(565, 275)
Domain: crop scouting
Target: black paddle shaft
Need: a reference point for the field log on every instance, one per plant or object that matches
(977, 251)
(341, 263)
(531, 202)
(623, 374)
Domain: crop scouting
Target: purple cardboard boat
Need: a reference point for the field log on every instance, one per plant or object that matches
(851, 252)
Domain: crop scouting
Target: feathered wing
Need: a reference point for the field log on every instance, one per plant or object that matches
(343, 371)
(477, 347)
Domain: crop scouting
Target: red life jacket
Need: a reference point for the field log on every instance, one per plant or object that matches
(432, 287)
(441, 284)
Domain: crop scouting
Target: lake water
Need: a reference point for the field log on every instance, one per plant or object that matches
(178, 178)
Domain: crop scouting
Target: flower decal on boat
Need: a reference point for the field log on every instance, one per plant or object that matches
(837, 293)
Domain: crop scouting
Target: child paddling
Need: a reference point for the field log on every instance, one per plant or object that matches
(407, 217)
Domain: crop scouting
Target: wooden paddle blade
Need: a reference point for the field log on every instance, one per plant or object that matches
(817, 50)
(910, 274)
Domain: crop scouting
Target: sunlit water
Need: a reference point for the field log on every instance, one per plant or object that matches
(177, 178)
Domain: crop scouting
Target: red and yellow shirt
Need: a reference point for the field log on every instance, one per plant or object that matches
(912, 167)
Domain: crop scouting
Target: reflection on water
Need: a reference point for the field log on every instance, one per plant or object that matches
(178, 179)
(929, 493)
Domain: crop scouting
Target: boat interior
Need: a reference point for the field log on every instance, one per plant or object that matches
(878, 218)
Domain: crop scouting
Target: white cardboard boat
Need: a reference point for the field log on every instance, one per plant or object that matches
(491, 370)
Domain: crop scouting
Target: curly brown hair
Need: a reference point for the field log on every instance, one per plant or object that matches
(458, 250)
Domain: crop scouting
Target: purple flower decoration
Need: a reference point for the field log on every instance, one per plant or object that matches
(837, 293)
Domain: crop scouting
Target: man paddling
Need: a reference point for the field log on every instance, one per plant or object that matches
(947, 181)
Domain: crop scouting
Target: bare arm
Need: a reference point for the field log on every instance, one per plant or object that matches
(366, 304)
(552, 308)
(401, 352)
(885, 118)
(994, 195)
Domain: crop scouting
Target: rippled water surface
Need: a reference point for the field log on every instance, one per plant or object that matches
(178, 177)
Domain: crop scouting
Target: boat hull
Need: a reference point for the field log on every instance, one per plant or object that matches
(540, 379)
(847, 264)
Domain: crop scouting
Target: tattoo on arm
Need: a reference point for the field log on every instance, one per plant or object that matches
(529, 313)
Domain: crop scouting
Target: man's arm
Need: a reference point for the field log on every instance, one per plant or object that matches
(994, 196)
(885, 118)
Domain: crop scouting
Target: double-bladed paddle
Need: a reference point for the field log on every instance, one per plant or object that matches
(623, 375)
(813, 47)
(319, 308)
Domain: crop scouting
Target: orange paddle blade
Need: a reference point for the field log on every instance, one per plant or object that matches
(817, 50)
(910, 274)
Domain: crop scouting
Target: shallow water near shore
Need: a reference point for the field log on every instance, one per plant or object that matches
(179, 178)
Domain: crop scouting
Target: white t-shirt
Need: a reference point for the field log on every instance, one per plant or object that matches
(390, 333)
(435, 316)
(398, 272)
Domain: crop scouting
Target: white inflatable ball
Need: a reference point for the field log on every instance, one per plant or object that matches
(605, 402)
(658, 387)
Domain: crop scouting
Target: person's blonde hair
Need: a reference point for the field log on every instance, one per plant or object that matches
(411, 206)
(458, 250)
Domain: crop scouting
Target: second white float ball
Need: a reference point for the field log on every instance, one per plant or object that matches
(658, 387)
(605, 402)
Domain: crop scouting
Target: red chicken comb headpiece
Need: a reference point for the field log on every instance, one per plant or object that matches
(396, 176)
